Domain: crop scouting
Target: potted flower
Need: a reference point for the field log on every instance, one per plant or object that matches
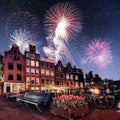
(69, 106)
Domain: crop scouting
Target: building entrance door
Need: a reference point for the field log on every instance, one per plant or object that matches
(8, 89)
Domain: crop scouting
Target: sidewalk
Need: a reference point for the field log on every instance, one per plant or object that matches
(12, 110)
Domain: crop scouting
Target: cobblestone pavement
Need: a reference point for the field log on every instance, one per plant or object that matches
(12, 110)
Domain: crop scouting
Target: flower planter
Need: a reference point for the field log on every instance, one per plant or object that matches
(70, 114)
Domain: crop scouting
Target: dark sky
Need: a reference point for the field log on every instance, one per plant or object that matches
(100, 19)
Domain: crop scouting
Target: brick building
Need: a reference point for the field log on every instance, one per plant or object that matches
(31, 72)
(14, 75)
(47, 73)
(32, 68)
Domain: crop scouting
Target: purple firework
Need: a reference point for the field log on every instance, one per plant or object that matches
(99, 53)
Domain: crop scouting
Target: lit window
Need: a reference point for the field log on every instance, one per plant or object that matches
(27, 54)
(32, 63)
(47, 72)
(27, 71)
(37, 81)
(32, 71)
(71, 77)
(52, 82)
(27, 79)
(37, 72)
(67, 76)
(27, 62)
(47, 81)
(51, 73)
(37, 64)
(42, 71)
(76, 77)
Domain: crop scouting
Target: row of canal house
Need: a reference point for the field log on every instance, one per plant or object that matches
(29, 71)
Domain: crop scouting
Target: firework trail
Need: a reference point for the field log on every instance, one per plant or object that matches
(99, 53)
(62, 21)
(22, 20)
(22, 38)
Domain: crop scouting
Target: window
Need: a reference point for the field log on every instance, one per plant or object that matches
(51, 65)
(32, 63)
(18, 58)
(47, 81)
(51, 73)
(58, 83)
(27, 54)
(32, 80)
(62, 76)
(37, 81)
(46, 64)
(10, 66)
(37, 64)
(10, 76)
(67, 76)
(42, 81)
(27, 71)
(76, 77)
(37, 57)
(32, 56)
(52, 82)
(11, 57)
(42, 63)
(15, 57)
(57, 75)
(32, 49)
(67, 83)
(19, 77)
(59, 69)
(19, 67)
(27, 62)
(37, 72)
(71, 77)
(27, 79)
(47, 72)
(42, 71)
(32, 71)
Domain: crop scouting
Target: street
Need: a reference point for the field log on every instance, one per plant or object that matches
(12, 110)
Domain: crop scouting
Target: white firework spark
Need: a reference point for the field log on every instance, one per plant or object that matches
(61, 23)
(22, 38)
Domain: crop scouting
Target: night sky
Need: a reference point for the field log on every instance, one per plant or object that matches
(100, 20)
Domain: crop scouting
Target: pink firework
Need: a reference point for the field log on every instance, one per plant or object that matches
(66, 16)
(99, 53)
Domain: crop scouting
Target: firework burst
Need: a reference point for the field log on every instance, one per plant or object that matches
(66, 15)
(62, 21)
(99, 53)
(22, 38)
(24, 20)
